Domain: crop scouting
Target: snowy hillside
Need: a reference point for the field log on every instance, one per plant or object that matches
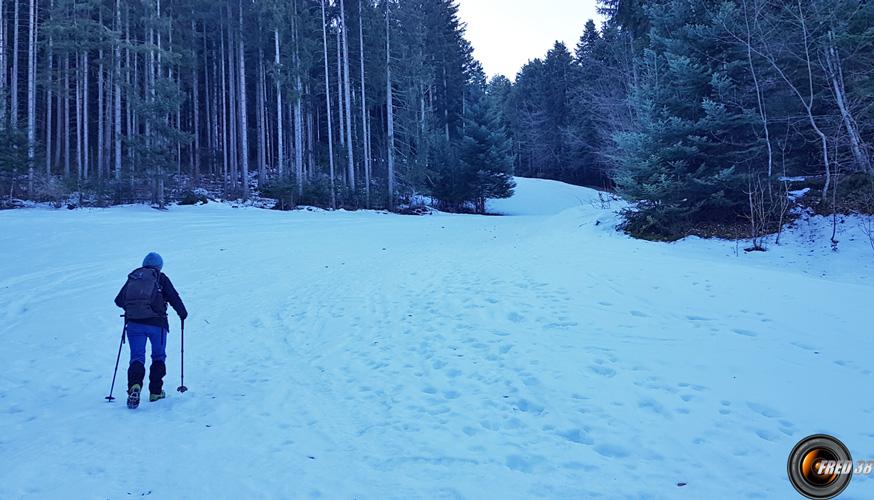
(367, 355)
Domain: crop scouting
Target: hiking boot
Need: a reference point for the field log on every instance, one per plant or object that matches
(135, 374)
(133, 396)
(156, 378)
(155, 397)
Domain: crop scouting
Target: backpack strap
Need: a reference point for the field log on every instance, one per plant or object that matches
(161, 291)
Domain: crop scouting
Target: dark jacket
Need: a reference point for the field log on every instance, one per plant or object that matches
(170, 295)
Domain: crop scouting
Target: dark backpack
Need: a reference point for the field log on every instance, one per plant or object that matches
(142, 295)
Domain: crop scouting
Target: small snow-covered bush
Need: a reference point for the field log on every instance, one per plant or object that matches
(51, 189)
(283, 191)
(197, 196)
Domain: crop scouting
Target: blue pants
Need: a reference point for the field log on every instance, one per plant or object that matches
(137, 333)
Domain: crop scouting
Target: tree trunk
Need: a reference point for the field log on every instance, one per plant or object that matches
(836, 76)
(129, 115)
(280, 157)
(311, 142)
(340, 111)
(3, 69)
(759, 98)
(100, 110)
(298, 128)
(365, 125)
(195, 84)
(350, 156)
(86, 136)
(117, 122)
(445, 105)
(328, 107)
(269, 149)
(80, 163)
(67, 166)
(178, 82)
(298, 114)
(16, 20)
(389, 108)
(208, 102)
(233, 113)
(224, 101)
(59, 123)
(49, 117)
(244, 140)
(31, 97)
(109, 115)
(262, 122)
(808, 103)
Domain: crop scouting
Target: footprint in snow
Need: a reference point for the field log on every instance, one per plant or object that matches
(767, 435)
(697, 318)
(653, 406)
(523, 464)
(560, 326)
(577, 436)
(765, 411)
(529, 407)
(515, 317)
(603, 370)
(745, 333)
(611, 451)
(802, 346)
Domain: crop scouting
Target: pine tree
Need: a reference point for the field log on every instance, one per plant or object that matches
(486, 153)
(681, 164)
(482, 167)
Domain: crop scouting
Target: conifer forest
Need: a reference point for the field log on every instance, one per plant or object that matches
(700, 112)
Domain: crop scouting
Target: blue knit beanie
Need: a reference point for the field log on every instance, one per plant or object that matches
(154, 261)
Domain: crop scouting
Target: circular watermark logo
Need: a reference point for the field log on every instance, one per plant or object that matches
(820, 466)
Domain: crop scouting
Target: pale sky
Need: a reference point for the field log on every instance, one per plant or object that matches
(506, 34)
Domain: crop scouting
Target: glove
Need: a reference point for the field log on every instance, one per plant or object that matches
(183, 315)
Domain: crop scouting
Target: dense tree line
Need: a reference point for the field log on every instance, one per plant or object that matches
(700, 110)
(354, 103)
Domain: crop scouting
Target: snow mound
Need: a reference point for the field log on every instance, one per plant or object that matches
(544, 197)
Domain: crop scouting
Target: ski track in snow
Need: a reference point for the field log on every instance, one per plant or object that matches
(367, 355)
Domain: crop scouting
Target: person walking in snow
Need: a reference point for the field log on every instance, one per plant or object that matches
(144, 298)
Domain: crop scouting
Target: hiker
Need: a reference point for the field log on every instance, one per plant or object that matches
(144, 298)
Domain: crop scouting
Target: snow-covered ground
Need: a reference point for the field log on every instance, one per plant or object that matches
(368, 355)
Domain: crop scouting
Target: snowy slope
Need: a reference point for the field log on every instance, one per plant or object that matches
(365, 355)
(544, 197)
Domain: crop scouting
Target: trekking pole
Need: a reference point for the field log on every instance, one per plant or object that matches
(182, 387)
(109, 398)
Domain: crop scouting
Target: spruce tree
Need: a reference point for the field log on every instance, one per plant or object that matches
(483, 164)
(486, 152)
